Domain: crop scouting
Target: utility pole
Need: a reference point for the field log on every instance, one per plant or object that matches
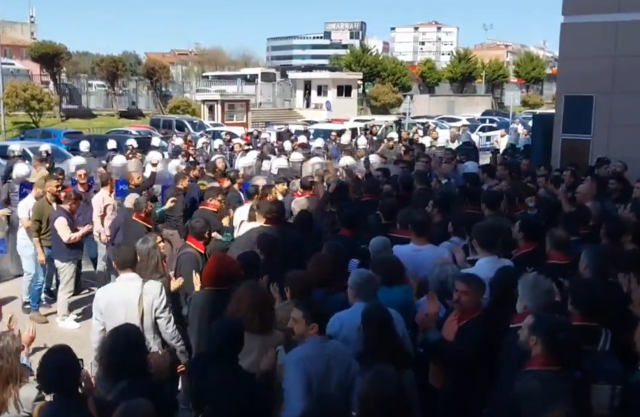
(487, 27)
(2, 115)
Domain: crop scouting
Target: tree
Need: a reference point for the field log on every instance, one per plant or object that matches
(216, 58)
(532, 101)
(30, 98)
(530, 68)
(429, 75)
(182, 105)
(134, 63)
(395, 73)
(52, 58)
(383, 98)
(81, 63)
(158, 74)
(462, 71)
(496, 75)
(112, 69)
(360, 59)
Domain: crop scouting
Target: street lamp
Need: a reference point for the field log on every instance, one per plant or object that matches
(487, 27)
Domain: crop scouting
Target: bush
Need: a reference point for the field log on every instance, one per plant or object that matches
(384, 97)
(532, 101)
(27, 97)
(182, 105)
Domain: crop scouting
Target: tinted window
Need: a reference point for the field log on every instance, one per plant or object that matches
(267, 77)
(155, 122)
(99, 145)
(449, 119)
(3, 152)
(473, 127)
(181, 126)
(577, 116)
(167, 124)
(197, 125)
(31, 134)
(325, 133)
(72, 135)
(45, 134)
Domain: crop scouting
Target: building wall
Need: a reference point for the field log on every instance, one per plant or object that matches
(18, 30)
(341, 107)
(432, 40)
(378, 45)
(600, 56)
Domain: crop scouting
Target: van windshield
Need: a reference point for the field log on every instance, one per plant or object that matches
(325, 133)
(197, 125)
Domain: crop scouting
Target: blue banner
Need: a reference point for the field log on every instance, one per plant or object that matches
(90, 181)
(25, 189)
(121, 188)
(163, 194)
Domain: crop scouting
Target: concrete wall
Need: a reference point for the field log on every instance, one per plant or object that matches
(19, 30)
(435, 104)
(599, 56)
(341, 107)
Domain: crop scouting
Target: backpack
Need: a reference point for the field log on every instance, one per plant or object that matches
(604, 376)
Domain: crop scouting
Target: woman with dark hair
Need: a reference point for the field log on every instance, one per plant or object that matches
(250, 263)
(219, 277)
(18, 396)
(60, 376)
(381, 345)
(124, 372)
(328, 282)
(215, 385)
(151, 262)
(304, 223)
(395, 291)
(253, 305)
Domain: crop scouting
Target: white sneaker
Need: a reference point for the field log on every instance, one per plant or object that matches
(68, 323)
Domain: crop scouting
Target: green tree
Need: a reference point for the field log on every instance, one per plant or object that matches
(462, 71)
(81, 63)
(134, 63)
(29, 98)
(158, 74)
(360, 59)
(496, 75)
(383, 98)
(182, 105)
(530, 68)
(531, 101)
(112, 69)
(429, 74)
(52, 58)
(395, 73)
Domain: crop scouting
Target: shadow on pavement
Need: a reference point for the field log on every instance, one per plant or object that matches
(82, 305)
(7, 300)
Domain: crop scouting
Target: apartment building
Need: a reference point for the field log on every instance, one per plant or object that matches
(432, 40)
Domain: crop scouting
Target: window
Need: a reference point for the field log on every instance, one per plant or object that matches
(7, 53)
(167, 124)
(155, 123)
(181, 126)
(99, 145)
(344, 90)
(45, 134)
(322, 90)
(268, 77)
(577, 116)
(235, 112)
(31, 134)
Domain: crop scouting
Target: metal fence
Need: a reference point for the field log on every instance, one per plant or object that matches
(512, 90)
(83, 92)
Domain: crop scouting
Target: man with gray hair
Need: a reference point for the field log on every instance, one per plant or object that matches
(344, 326)
(536, 295)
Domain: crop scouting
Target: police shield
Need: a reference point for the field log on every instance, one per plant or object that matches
(280, 168)
(246, 166)
(118, 170)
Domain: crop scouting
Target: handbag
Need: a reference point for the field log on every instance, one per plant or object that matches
(160, 361)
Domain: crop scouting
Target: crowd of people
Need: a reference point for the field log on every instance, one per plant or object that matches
(350, 276)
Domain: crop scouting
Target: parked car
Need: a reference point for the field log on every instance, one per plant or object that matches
(54, 136)
(457, 121)
(179, 124)
(31, 148)
(98, 144)
(220, 132)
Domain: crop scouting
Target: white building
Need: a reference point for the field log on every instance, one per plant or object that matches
(433, 40)
(378, 45)
(326, 95)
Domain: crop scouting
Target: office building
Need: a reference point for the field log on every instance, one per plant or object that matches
(315, 49)
(378, 45)
(597, 95)
(431, 40)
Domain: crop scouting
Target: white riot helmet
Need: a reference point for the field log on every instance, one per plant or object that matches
(155, 141)
(202, 142)
(217, 144)
(246, 166)
(296, 157)
(279, 164)
(76, 162)
(375, 159)
(21, 172)
(287, 146)
(131, 142)
(345, 139)
(175, 166)
(14, 150)
(112, 145)
(303, 139)
(178, 141)
(253, 155)
(154, 157)
(84, 146)
(266, 136)
(362, 143)
(318, 143)
(394, 136)
(119, 161)
(347, 162)
(45, 148)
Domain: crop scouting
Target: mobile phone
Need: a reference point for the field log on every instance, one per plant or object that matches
(81, 363)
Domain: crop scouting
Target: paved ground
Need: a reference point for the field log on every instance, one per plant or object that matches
(50, 334)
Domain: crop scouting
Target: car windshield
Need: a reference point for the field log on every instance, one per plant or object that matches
(471, 120)
(197, 125)
(59, 155)
(474, 127)
(147, 132)
(73, 135)
(325, 133)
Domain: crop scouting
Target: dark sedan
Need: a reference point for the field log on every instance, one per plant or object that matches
(99, 144)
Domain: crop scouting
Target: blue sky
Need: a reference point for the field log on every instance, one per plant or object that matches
(160, 25)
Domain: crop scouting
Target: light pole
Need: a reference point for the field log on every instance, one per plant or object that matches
(2, 115)
(487, 27)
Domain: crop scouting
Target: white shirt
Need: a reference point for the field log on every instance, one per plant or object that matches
(25, 207)
(241, 215)
(420, 260)
(486, 268)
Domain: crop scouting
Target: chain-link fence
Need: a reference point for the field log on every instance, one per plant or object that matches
(135, 92)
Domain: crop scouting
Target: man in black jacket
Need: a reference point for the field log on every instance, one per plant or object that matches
(174, 226)
(132, 224)
(193, 195)
(234, 198)
(212, 210)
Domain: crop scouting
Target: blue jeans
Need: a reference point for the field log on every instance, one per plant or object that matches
(49, 271)
(33, 279)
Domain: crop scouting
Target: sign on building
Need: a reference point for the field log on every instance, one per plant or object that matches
(344, 26)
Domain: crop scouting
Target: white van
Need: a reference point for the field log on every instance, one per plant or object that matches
(97, 86)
